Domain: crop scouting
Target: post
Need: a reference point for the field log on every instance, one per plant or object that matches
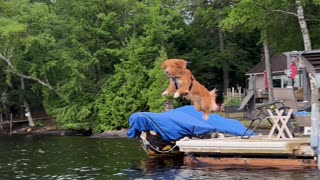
(1, 120)
(306, 86)
(11, 119)
(232, 92)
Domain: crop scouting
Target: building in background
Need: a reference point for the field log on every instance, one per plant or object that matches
(281, 68)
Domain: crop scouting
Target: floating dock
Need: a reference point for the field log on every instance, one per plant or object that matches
(256, 152)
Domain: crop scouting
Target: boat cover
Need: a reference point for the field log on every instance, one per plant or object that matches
(181, 122)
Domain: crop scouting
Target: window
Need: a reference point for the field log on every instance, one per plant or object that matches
(276, 83)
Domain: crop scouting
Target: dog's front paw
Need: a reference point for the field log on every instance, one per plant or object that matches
(205, 116)
(176, 95)
(165, 93)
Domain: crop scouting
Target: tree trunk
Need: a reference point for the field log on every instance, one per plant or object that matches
(268, 68)
(225, 64)
(26, 106)
(303, 26)
(306, 40)
(4, 99)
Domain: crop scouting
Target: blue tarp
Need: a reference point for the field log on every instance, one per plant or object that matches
(302, 113)
(181, 122)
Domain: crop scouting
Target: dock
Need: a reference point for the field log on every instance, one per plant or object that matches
(256, 152)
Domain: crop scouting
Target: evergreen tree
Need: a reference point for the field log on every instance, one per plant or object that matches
(158, 83)
(122, 94)
(127, 90)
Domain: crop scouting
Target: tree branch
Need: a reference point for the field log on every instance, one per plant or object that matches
(286, 12)
(312, 19)
(15, 71)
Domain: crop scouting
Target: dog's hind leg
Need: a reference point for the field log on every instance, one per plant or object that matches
(206, 107)
(197, 105)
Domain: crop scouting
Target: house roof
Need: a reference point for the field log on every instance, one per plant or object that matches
(312, 56)
(278, 63)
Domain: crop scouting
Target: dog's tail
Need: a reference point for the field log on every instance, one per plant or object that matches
(213, 94)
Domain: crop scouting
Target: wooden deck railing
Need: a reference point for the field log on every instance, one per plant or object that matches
(11, 121)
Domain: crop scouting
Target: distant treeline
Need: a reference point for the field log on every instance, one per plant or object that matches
(92, 63)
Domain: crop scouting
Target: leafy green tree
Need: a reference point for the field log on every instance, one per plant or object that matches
(122, 94)
(89, 36)
(125, 91)
(158, 83)
(52, 45)
(271, 18)
(23, 26)
(212, 52)
(91, 64)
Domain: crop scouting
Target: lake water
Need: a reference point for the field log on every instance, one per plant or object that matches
(39, 157)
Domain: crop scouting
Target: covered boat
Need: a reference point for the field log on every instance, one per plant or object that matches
(159, 131)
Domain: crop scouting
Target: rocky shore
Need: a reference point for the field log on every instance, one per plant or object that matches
(112, 134)
(49, 128)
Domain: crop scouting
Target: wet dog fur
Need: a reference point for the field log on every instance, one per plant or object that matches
(183, 83)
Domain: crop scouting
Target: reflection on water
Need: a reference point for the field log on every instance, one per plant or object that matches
(65, 157)
(167, 168)
(33, 157)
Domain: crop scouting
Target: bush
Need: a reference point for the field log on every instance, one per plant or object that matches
(232, 101)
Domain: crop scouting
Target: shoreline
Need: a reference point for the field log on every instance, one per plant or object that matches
(51, 130)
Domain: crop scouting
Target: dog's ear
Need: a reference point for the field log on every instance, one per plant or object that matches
(181, 64)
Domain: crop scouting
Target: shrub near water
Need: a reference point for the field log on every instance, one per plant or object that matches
(121, 96)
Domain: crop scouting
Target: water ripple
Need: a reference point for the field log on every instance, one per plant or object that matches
(82, 158)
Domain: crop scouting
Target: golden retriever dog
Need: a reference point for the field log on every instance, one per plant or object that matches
(182, 82)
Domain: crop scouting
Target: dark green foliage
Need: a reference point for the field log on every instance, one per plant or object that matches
(158, 83)
(122, 94)
(93, 63)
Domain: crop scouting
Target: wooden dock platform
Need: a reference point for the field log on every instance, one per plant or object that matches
(256, 152)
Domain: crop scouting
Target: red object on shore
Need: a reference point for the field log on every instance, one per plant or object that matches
(293, 70)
